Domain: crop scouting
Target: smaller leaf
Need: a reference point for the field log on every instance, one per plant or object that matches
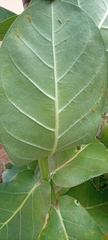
(60, 158)
(88, 163)
(95, 202)
(104, 136)
(5, 14)
(6, 19)
(66, 221)
(12, 170)
(24, 203)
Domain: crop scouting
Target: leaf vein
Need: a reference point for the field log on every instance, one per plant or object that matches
(26, 76)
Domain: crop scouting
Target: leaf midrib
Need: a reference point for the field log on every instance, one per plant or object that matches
(62, 223)
(56, 86)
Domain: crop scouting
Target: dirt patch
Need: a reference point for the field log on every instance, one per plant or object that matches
(3, 160)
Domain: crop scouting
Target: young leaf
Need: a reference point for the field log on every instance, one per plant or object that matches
(53, 81)
(24, 204)
(89, 162)
(67, 222)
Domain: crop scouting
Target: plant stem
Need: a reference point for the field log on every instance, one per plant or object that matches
(53, 196)
(44, 169)
(45, 174)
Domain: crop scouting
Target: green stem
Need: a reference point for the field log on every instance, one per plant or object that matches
(53, 196)
(44, 169)
(45, 174)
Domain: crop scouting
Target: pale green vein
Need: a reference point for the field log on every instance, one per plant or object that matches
(30, 117)
(105, 4)
(29, 79)
(7, 232)
(61, 222)
(20, 226)
(56, 87)
(103, 19)
(33, 225)
(21, 205)
(23, 141)
(79, 3)
(42, 35)
(98, 205)
(6, 210)
(66, 163)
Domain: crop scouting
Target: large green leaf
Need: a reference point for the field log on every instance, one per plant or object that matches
(69, 220)
(6, 19)
(95, 202)
(53, 81)
(89, 162)
(24, 204)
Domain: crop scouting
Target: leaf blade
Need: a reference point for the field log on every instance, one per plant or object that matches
(67, 221)
(27, 206)
(88, 163)
(6, 20)
(58, 112)
(94, 201)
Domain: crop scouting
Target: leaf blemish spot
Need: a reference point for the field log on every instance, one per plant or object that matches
(56, 206)
(67, 20)
(93, 110)
(65, 40)
(92, 130)
(101, 91)
(17, 33)
(29, 18)
(76, 203)
(59, 21)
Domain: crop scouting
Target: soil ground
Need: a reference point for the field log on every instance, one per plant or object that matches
(3, 160)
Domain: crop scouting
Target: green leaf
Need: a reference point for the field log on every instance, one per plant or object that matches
(24, 204)
(58, 159)
(5, 14)
(89, 162)
(104, 135)
(98, 11)
(49, 64)
(95, 202)
(12, 171)
(67, 221)
(6, 19)
(33, 1)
